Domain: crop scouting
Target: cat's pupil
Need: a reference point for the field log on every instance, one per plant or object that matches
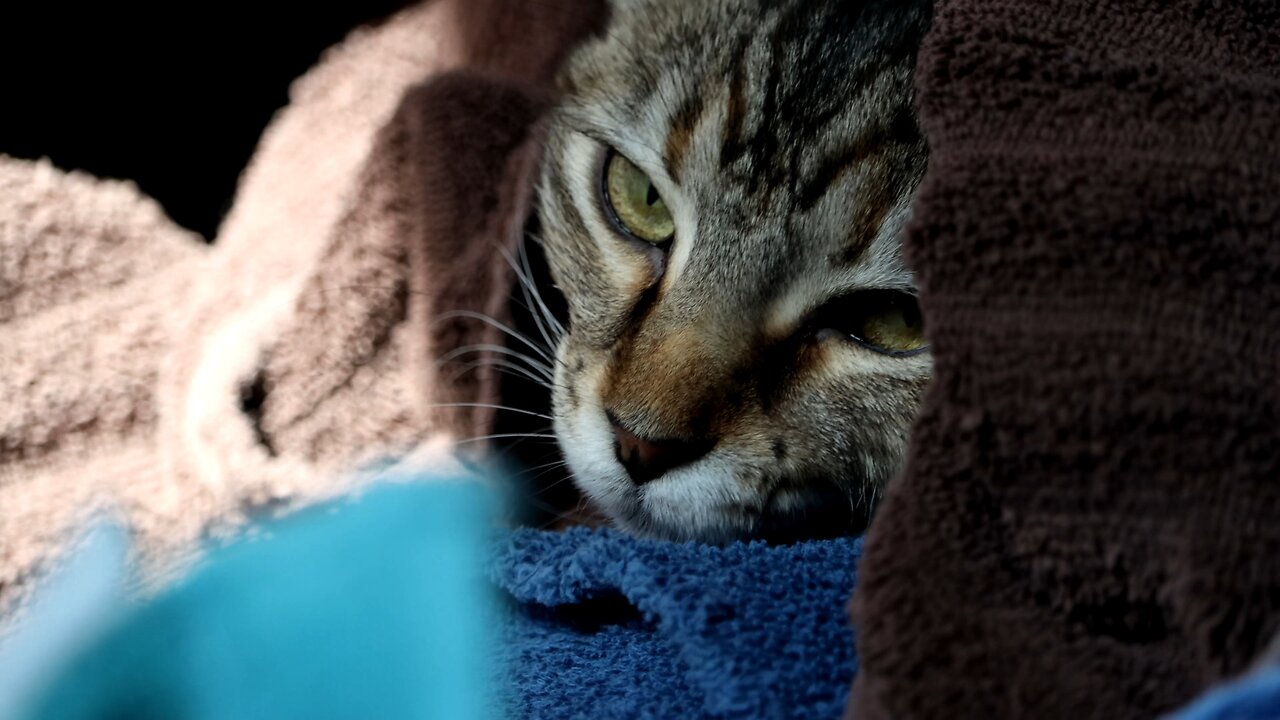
(651, 197)
(911, 316)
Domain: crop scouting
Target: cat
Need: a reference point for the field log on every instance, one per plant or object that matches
(721, 203)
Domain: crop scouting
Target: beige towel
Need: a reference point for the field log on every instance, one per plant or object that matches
(183, 386)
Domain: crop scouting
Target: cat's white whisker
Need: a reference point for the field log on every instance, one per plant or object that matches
(500, 436)
(471, 314)
(552, 464)
(503, 366)
(534, 363)
(556, 328)
(550, 328)
(525, 284)
(557, 483)
(492, 406)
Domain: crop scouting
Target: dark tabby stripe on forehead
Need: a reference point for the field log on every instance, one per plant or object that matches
(683, 124)
(816, 64)
(736, 112)
(874, 141)
(871, 213)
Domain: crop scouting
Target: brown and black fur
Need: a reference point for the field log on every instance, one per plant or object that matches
(783, 136)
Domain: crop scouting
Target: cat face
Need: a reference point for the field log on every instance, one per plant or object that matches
(723, 193)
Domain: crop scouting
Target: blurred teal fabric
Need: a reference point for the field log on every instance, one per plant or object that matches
(73, 609)
(373, 607)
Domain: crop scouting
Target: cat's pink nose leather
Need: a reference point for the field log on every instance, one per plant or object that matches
(645, 459)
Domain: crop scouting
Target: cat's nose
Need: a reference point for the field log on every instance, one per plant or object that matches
(647, 459)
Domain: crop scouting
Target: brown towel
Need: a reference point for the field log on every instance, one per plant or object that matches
(1089, 522)
(183, 386)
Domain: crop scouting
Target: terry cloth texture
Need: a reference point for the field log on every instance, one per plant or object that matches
(1087, 524)
(185, 386)
(606, 625)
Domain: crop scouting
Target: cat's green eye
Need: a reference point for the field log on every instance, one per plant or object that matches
(886, 321)
(895, 327)
(634, 202)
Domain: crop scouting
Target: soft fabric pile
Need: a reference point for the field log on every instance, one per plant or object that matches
(1086, 526)
(606, 625)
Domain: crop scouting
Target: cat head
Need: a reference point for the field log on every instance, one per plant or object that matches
(723, 193)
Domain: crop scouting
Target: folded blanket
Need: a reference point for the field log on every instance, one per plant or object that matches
(607, 626)
(1087, 525)
(187, 387)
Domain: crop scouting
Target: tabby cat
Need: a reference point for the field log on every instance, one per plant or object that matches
(724, 189)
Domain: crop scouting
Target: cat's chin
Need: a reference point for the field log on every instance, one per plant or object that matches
(772, 528)
(661, 516)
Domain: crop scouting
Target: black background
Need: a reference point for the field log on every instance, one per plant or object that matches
(173, 96)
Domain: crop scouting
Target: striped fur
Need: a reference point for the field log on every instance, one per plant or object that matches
(782, 135)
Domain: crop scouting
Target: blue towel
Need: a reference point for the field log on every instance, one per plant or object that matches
(602, 625)
(1253, 697)
(376, 608)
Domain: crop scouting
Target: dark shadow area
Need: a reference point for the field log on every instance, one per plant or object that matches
(592, 615)
(173, 96)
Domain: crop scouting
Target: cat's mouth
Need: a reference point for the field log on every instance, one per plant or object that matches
(722, 496)
(685, 506)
